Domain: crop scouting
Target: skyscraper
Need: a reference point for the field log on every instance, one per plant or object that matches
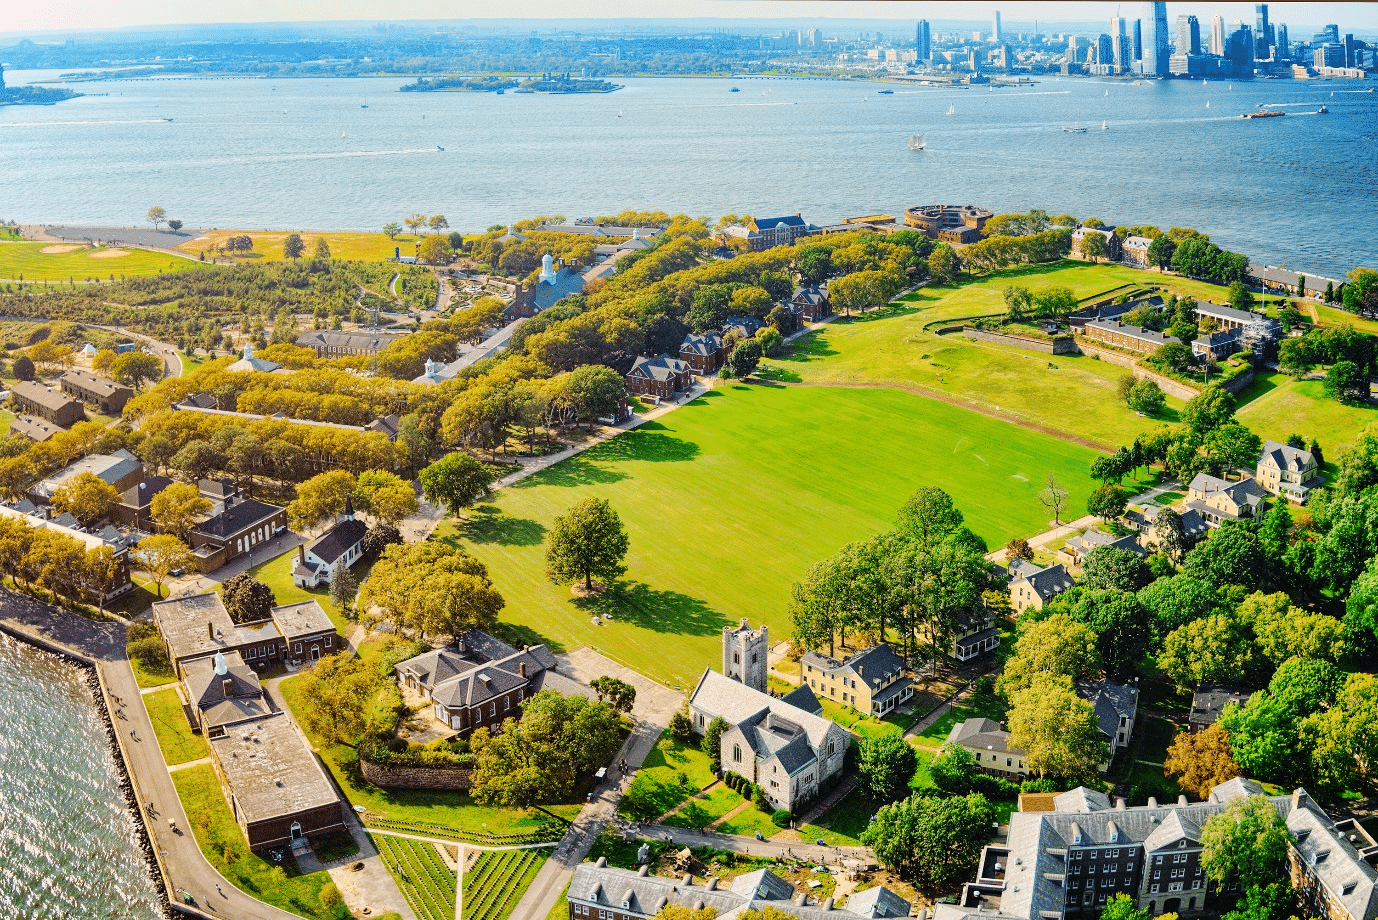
(995, 35)
(1156, 50)
(1188, 35)
(1138, 40)
(1263, 33)
(923, 40)
(1284, 52)
(1105, 49)
(1123, 48)
(1218, 36)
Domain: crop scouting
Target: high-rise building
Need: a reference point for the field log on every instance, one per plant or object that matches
(1218, 36)
(1284, 52)
(1121, 46)
(1188, 35)
(923, 41)
(1350, 50)
(1138, 40)
(1157, 51)
(1075, 54)
(1105, 50)
(995, 35)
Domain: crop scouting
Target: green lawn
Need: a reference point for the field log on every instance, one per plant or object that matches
(425, 880)
(731, 498)
(843, 824)
(702, 812)
(225, 848)
(1301, 407)
(147, 679)
(751, 821)
(497, 882)
(79, 263)
(170, 725)
(657, 787)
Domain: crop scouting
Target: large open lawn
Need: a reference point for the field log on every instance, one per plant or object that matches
(365, 247)
(71, 261)
(1276, 406)
(730, 499)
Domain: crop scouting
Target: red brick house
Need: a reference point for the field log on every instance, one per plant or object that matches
(661, 376)
(813, 304)
(703, 353)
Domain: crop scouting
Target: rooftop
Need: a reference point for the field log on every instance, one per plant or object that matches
(109, 469)
(270, 771)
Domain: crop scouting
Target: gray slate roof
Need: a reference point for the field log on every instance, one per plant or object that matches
(661, 367)
(1285, 457)
(1111, 702)
(1050, 582)
(38, 393)
(479, 668)
(874, 665)
(207, 691)
(734, 702)
(332, 544)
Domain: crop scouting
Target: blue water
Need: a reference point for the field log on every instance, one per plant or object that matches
(252, 153)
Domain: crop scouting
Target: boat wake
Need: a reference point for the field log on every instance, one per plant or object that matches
(337, 155)
(732, 105)
(50, 124)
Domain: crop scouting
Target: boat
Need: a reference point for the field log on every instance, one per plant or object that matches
(1078, 128)
(342, 134)
(365, 105)
(1208, 105)
(917, 143)
(1264, 113)
(952, 110)
(500, 92)
(886, 92)
(1321, 111)
(1104, 126)
(440, 148)
(734, 90)
(1107, 92)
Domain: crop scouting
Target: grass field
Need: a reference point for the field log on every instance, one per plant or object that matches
(170, 725)
(364, 247)
(425, 880)
(730, 499)
(276, 573)
(225, 848)
(657, 787)
(64, 261)
(1278, 406)
(497, 882)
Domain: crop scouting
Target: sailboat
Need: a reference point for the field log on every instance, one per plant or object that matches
(365, 105)
(1107, 92)
(1208, 105)
(952, 110)
(1104, 126)
(1079, 128)
(917, 143)
(342, 134)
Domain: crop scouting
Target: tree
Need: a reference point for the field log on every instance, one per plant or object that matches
(100, 573)
(1172, 534)
(1284, 631)
(1108, 502)
(1019, 548)
(177, 508)
(1147, 397)
(585, 541)
(1344, 738)
(1208, 410)
(247, 599)
(434, 250)
(432, 588)
(438, 223)
(415, 222)
(771, 342)
(1274, 901)
(680, 912)
(174, 225)
(1118, 621)
(1053, 496)
(1094, 247)
(712, 741)
(1018, 303)
(1245, 842)
(1263, 738)
(320, 498)
(23, 368)
(156, 216)
(456, 481)
(537, 759)
(681, 726)
(1200, 761)
(161, 555)
(1216, 648)
(1055, 646)
(618, 694)
(293, 247)
(1297, 356)
(1111, 568)
(197, 459)
(385, 496)
(931, 841)
(335, 696)
(1121, 906)
(86, 497)
(1160, 252)
(392, 229)
(1345, 382)
(1232, 556)
(885, 763)
(379, 537)
(744, 359)
(1058, 730)
(135, 368)
(1234, 447)
(943, 264)
(815, 263)
(322, 250)
(343, 589)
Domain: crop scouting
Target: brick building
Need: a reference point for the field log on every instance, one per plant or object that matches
(107, 396)
(968, 220)
(328, 343)
(702, 352)
(661, 376)
(32, 398)
(1121, 335)
(198, 627)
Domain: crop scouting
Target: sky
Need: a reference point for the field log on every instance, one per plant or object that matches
(64, 15)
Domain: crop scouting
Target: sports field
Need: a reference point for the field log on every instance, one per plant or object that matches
(63, 261)
(729, 500)
(363, 247)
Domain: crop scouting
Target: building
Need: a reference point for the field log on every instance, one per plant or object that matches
(387, 425)
(249, 364)
(1217, 500)
(134, 509)
(661, 377)
(746, 654)
(1210, 700)
(989, 745)
(932, 219)
(1031, 586)
(1074, 552)
(974, 633)
(1194, 527)
(1116, 707)
(585, 226)
(1288, 471)
(1134, 252)
(745, 327)
(1230, 318)
(341, 546)
(923, 41)
(601, 892)
(813, 304)
(35, 429)
(276, 788)
(107, 396)
(1273, 280)
(66, 525)
(1112, 242)
(1188, 35)
(35, 399)
(223, 691)
(1065, 864)
(236, 526)
(198, 627)
(878, 693)
(779, 231)
(333, 343)
(478, 681)
(703, 352)
(1121, 335)
(1219, 344)
(1109, 310)
(553, 285)
(121, 470)
(789, 752)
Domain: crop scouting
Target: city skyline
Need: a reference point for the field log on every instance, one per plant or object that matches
(50, 16)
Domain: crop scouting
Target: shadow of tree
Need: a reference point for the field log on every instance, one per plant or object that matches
(778, 374)
(579, 470)
(887, 312)
(655, 609)
(519, 636)
(649, 443)
(492, 526)
(811, 347)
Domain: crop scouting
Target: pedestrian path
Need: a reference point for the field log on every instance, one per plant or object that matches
(188, 765)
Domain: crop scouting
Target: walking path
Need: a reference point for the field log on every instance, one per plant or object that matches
(1061, 531)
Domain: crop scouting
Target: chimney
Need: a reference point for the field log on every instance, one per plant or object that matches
(602, 862)
(1120, 804)
(1298, 798)
(860, 671)
(802, 900)
(227, 688)
(301, 553)
(828, 904)
(1152, 802)
(1181, 801)
(713, 883)
(210, 631)
(521, 668)
(687, 881)
(644, 870)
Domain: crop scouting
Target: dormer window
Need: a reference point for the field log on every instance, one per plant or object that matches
(1348, 889)
(1322, 856)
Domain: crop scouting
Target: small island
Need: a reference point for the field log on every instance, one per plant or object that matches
(32, 95)
(459, 84)
(562, 83)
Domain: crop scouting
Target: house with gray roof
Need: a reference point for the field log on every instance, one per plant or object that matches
(35, 429)
(32, 398)
(1218, 500)
(1074, 552)
(703, 352)
(197, 626)
(249, 364)
(1066, 864)
(335, 343)
(1210, 699)
(989, 745)
(1145, 521)
(122, 470)
(478, 681)
(1122, 335)
(341, 545)
(1288, 471)
(106, 395)
(1036, 588)
(224, 691)
(1116, 707)
(789, 752)
(661, 376)
(601, 892)
(873, 681)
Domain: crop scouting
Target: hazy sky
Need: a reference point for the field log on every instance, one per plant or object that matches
(45, 15)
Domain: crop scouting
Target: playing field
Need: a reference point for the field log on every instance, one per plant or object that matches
(729, 500)
(69, 261)
(363, 247)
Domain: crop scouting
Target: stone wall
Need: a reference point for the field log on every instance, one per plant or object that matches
(1064, 345)
(415, 777)
(1239, 383)
(1167, 384)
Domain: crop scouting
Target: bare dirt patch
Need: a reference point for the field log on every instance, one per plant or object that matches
(109, 253)
(578, 589)
(58, 250)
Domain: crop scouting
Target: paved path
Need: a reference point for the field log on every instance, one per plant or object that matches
(804, 852)
(1054, 534)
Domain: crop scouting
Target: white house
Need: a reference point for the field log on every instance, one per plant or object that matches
(341, 545)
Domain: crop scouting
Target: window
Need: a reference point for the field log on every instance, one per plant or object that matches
(1154, 888)
(506, 703)
(493, 708)
(272, 651)
(1179, 857)
(1175, 886)
(1114, 854)
(737, 753)
(327, 642)
(297, 648)
(736, 658)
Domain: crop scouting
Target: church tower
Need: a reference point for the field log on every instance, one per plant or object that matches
(745, 654)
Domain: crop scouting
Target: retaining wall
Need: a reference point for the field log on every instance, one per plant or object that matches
(416, 777)
(1167, 384)
(1063, 345)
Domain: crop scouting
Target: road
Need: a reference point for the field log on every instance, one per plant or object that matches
(104, 643)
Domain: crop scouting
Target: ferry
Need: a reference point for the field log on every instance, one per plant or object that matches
(1264, 113)
(886, 92)
(734, 90)
(1321, 111)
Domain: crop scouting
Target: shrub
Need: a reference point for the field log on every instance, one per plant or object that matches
(781, 818)
(759, 797)
(1038, 784)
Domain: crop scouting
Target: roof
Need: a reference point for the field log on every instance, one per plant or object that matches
(387, 424)
(1111, 702)
(333, 338)
(770, 223)
(199, 401)
(1230, 313)
(1137, 242)
(301, 619)
(108, 468)
(1210, 699)
(1094, 539)
(41, 395)
(721, 696)
(1136, 332)
(881, 661)
(239, 515)
(589, 228)
(141, 496)
(334, 543)
(206, 688)
(1285, 276)
(803, 698)
(64, 524)
(1047, 583)
(706, 343)
(94, 383)
(261, 365)
(661, 367)
(270, 771)
(985, 734)
(568, 281)
(1286, 458)
(809, 295)
(477, 668)
(1244, 492)
(183, 621)
(35, 429)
